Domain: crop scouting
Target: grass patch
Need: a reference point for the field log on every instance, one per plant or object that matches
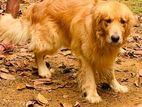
(135, 5)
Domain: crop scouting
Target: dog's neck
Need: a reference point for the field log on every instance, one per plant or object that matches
(104, 46)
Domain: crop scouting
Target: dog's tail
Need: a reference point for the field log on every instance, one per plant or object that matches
(13, 30)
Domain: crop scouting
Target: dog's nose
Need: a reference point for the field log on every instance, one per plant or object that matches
(115, 38)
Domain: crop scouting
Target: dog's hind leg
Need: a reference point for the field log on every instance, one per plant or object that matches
(45, 41)
(87, 82)
(43, 71)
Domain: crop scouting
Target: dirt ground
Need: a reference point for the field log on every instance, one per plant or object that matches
(22, 85)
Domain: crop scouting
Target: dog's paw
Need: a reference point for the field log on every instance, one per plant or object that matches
(117, 87)
(121, 89)
(45, 74)
(94, 98)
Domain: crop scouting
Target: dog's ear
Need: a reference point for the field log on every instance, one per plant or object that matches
(130, 24)
(97, 19)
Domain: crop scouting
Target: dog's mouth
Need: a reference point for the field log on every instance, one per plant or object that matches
(114, 43)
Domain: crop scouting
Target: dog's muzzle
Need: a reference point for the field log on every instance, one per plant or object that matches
(115, 38)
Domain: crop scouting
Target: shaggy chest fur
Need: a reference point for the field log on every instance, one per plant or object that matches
(102, 57)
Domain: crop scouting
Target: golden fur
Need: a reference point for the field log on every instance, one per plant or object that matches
(93, 29)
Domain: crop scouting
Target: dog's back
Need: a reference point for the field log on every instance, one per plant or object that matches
(56, 16)
(60, 10)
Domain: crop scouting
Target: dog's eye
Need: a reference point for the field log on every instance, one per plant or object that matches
(108, 20)
(122, 21)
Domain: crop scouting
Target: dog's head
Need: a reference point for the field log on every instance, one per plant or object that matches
(112, 21)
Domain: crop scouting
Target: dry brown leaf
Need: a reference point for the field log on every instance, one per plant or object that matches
(31, 103)
(65, 53)
(42, 81)
(28, 74)
(48, 89)
(77, 104)
(65, 105)
(65, 96)
(30, 86)
(13, 69)
(3, 69)
(24, 86)
(7, 76)
(21, 86)
(138, 81)
(133, 74)
(41, 99)
(52, 70)
(138, 52)
(122, 51)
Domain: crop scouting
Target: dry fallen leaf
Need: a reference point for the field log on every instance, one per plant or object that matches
(30, 86)
(21, 86)
(47, 89)
(28, 74)
(41, 99)
(138, 52)
(65, 96)
(66, 52)
(52, 70)
(42, 81)
(122, 51)
(7, 76)
(30, 103)
(137, 82)
(3, 69)
(77, 104)
(133, 74)
(65, 105)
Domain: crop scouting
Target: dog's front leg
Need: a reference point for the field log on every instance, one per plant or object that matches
(87, 82)
(43, 71)
(117, 87)
(114, 84)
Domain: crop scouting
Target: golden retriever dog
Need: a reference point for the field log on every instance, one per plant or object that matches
(93, 29)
